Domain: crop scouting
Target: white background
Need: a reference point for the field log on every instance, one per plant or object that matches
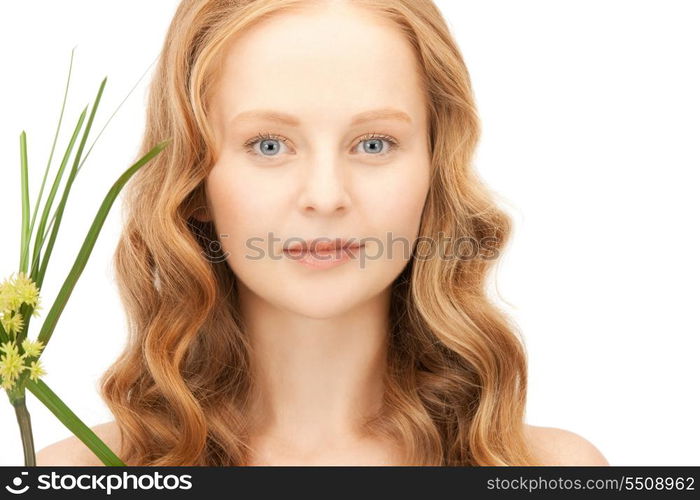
(591, 133)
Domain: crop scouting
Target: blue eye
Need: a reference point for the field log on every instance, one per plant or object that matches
(270, 143)
(378, 139)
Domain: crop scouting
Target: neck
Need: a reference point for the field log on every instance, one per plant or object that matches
(315, 379)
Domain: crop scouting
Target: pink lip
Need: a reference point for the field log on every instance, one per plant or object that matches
(323, 245)
(318, 254)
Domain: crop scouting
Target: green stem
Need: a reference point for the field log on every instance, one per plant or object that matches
(49, 399)
(25, 429)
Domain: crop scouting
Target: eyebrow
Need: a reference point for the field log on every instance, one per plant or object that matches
(287, 119)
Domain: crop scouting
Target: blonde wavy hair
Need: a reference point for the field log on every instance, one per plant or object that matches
(455, 387)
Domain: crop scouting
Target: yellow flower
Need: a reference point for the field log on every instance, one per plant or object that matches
(15, 291)
(7, 302)
(26, 290)
(32, 347)
(6, 347)
(12, 324)
(36, 312)
(7, 383)
(35, 370)
(11, 365)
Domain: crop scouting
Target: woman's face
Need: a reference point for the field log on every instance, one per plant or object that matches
(305, 114)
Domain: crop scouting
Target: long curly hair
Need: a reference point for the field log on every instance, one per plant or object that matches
(455, 386)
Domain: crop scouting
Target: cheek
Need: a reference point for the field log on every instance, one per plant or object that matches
(395, 203)
(391, 205)
(242, 208)
(229, 196)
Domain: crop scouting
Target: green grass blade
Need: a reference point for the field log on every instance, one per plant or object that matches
(69, 183)
(41, 232)
(25, 310)
(88, 244)
(35, 266)
(48, 165)
(4, 337)
(24, 180)
(44, 394)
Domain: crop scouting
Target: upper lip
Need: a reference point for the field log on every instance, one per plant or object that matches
(323, 244)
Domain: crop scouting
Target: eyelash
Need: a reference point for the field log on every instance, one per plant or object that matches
(261, 136)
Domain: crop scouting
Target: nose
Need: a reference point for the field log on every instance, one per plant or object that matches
(324, 188)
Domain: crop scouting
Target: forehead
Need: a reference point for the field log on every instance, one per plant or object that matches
(338, 58)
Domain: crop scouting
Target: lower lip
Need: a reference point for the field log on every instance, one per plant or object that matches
(324, 260)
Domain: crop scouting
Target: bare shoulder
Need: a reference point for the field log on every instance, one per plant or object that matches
(554, 446)
(72, 451)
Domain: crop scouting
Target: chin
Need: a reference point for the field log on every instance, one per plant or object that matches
(323, 305)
